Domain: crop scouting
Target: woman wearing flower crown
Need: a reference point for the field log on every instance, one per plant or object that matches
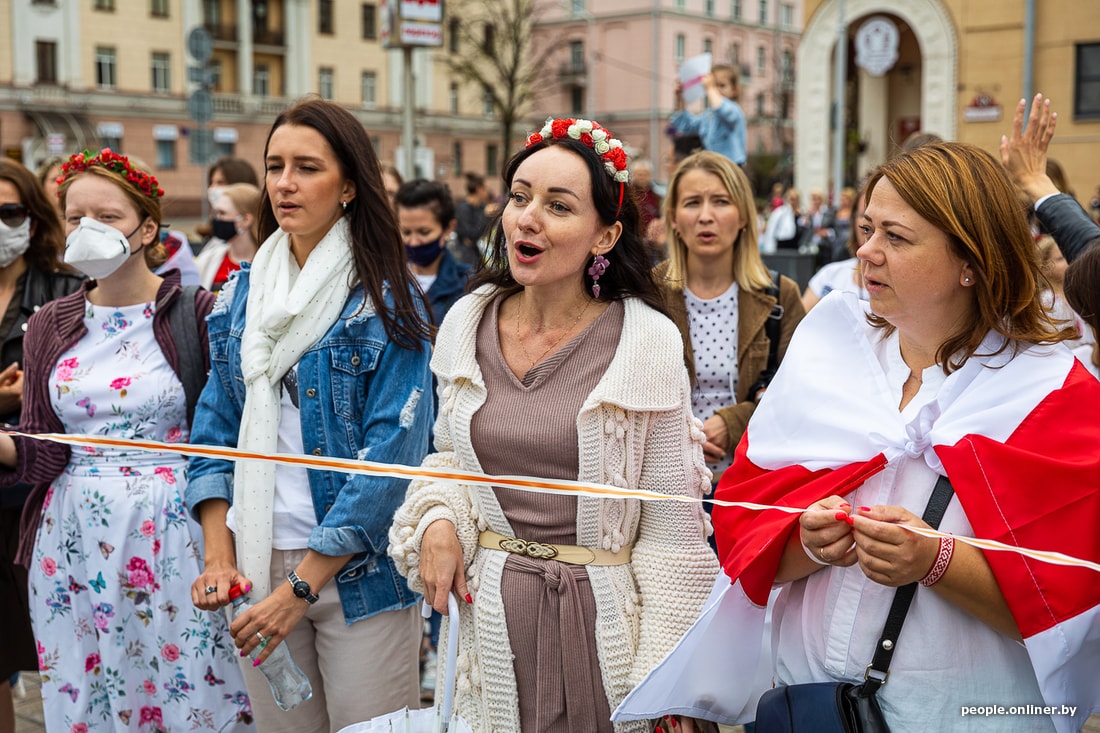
(110, 546)
(561, 364)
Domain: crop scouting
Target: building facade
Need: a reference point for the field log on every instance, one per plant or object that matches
(78, 74)
(959, 68)
(617, 61)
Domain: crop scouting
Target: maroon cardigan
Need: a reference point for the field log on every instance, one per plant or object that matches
(50, 332)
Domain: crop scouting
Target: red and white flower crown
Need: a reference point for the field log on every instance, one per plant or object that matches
(112, 161)
(591, 134)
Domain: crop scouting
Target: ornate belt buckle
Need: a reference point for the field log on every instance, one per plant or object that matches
(536, 550)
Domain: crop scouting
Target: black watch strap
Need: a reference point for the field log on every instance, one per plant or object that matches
(301, 588)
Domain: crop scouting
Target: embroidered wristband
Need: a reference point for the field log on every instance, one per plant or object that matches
(943, 559)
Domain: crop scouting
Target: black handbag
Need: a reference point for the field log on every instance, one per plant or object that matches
(844, 707)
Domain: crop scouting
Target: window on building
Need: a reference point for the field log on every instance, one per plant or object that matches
(787, 18)
(708, 45)
(110, 141)
(212, 11)
(456, 158)
(166, 154)
(708, 8)
(214, 67)
(324, 17)
(104, 5)
(788, 67)
(760, 104)
(259, 17)
(225, 150)
(763, 18)
(735, 55)
(761, 60)
(576, 56)
(577, 6)
(681, 4)
(325, 86)
(492, 159)
(105, 72)
(735, 9)
(487, 107)
(488, 38)
(261, 80)
(368, 84)
(452, 35)
(576, 100)
(452, 98)
(162, 69)
(1086, 82)
(680, 42)
(158, 8)
(370, 21)
(45, 58)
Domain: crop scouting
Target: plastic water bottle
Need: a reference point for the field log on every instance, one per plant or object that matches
(289, 685)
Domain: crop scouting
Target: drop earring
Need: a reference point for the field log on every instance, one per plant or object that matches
(595, 271)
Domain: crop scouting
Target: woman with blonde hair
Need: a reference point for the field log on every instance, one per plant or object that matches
(110, 548)
(234, 225)
(724, 299)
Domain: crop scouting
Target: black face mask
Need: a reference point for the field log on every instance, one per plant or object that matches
(223, 229)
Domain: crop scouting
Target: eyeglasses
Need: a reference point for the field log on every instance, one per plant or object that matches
(13, 214)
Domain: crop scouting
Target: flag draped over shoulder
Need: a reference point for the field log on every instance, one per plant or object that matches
(1018, 434)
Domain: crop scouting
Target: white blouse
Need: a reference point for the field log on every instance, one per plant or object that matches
(826, 626)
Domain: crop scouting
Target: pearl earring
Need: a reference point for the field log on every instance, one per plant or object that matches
(344, 204)
(966, 281)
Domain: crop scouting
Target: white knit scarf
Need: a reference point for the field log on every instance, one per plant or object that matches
(288, 311)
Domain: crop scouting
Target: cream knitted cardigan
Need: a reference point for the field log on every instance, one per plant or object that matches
(635, 430)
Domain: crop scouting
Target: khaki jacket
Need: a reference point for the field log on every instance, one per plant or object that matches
(753, 309)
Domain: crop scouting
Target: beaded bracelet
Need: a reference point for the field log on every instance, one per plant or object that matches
(943, 559)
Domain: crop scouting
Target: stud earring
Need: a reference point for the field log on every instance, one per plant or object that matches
(344, 204)
(598, 268)
(966, 281)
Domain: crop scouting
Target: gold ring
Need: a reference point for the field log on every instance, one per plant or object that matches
(821, 552)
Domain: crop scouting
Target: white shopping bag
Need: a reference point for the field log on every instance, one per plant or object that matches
(438, 718)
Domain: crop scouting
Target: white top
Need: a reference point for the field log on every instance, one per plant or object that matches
(425, 281)
(713, 327)
(827, 625)
(294, 515)
(837, 276)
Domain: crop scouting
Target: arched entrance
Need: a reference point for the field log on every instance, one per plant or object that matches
(881, 112)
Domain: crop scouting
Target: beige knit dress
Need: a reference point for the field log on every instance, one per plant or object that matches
(529, 427)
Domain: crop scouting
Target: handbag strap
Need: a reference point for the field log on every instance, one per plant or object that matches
(879, 668)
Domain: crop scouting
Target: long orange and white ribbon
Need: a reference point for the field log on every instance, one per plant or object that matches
(522, 483)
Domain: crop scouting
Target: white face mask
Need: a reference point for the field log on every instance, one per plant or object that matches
(14, 241)
(97, 249)
(214, 193)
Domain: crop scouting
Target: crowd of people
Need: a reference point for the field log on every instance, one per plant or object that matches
(592, 326)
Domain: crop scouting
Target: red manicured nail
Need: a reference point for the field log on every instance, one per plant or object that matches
(865, 508)
(850, 520)
(248, 588)
(841, 517)
(256, 663)
(242, 652)
(469, 599)
(675, 723)
(846, 504)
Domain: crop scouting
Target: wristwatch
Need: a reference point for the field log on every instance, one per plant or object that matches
(301, 588)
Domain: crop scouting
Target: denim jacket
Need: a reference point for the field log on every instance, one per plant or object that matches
(362, 396)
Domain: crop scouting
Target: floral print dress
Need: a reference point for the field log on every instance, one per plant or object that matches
(120, 645)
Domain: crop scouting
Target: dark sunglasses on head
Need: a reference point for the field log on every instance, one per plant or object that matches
(13, 214)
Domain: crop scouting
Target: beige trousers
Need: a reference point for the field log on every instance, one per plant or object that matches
(357, 672)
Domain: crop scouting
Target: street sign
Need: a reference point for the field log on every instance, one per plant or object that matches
(200, 75)
(202, 146)
(200, 44)
(200, 106)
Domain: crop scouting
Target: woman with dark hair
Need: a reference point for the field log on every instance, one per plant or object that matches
(561, 364)
(426, 218)
(109, 546)
(1082, 289)
(31, 243)
(319, 347)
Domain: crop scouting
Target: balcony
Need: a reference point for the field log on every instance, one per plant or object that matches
(573, 73)
(222, 32)
(266, 37)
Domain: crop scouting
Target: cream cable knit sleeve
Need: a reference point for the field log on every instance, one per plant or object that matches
(673, 565)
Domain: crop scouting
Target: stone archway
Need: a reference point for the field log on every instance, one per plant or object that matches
(935, 32)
